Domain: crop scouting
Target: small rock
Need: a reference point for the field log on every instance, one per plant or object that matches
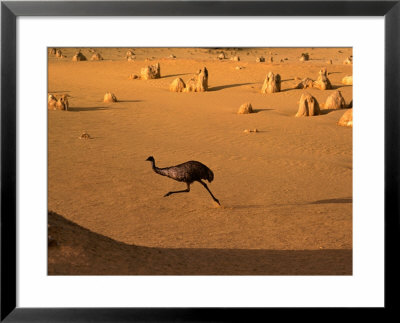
(304, 57)
(110, 97)
(249, 130)
(85, 135)
(348, 61)
(129, 53)
(245, 108)
(221, 56)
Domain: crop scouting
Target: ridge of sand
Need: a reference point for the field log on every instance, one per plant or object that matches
(79, 251)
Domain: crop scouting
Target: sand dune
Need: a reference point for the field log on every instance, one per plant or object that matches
(285, 190)
(82, 252)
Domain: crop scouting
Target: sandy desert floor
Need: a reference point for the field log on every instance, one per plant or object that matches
(285, 191)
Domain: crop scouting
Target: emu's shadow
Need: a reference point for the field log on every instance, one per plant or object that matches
(222, 87)
(100, 255)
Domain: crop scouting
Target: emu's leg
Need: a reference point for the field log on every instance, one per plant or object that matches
(206, 187)
(183, 191)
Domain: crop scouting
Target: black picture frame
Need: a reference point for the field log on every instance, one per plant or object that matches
(10, 10)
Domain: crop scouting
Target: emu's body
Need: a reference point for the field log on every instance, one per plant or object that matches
(189, 172)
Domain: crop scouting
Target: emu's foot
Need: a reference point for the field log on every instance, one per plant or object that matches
(217, 201)
(217, 205)
(168, 194)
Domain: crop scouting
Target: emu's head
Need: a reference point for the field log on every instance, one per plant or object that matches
(151, 159)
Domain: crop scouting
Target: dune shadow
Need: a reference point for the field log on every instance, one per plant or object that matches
(222, 87)
(339, 200)
(336, 200)
(100, 255)
(81, 109)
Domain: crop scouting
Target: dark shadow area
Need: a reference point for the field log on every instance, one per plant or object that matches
(77, 109)
(337, 200)
(250, 206)
(217, 88)
(174, 75)
(74, 250)
(260, 110)
(326, 111)
(336, 87)
(130, 101)
(288, 89)
(329, 73)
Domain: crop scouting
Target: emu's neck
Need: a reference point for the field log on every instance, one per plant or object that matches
(158, 170)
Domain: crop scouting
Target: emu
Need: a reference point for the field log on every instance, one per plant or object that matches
(189, 172)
